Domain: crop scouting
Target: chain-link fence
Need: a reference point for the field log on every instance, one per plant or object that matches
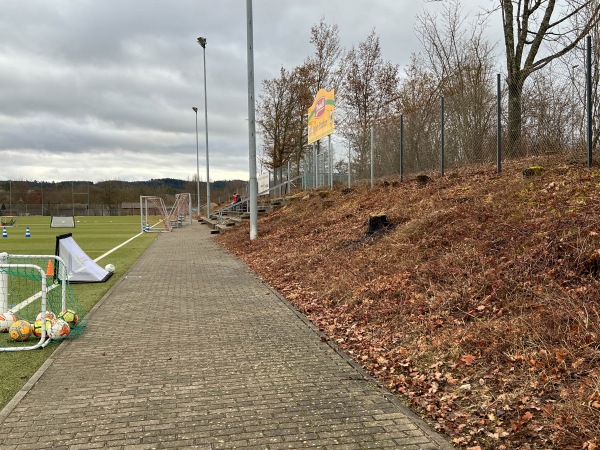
(485, 123)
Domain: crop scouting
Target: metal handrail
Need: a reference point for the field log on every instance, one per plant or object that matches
(237, 205)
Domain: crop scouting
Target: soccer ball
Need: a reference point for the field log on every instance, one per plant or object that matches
(49, 315)
(20, 331)
(110, 268)
(6, 320)
(69, 316)
(58, 330)
(37, 326)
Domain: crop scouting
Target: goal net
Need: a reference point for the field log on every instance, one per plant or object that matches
(181, 213)
(29, 290)
(153, 214)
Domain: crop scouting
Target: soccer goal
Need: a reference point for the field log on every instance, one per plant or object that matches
(62, 222)
(181, 212)
(34, 304)
(8, 221)
(153, 214)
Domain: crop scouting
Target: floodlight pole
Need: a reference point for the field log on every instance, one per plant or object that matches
(197, 162)
(251, 126)
(202, 42)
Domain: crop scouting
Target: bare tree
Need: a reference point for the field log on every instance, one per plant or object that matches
(324, 66)
(418, 102)
(369, 91)
(527, 25)
(275, 118)
(461, 61)
(575, 65)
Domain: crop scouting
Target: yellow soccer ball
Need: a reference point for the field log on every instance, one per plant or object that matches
(20, 331)
(37, 326)
(69, 316)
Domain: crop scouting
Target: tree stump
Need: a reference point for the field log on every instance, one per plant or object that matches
(378, 222)
(422, 180)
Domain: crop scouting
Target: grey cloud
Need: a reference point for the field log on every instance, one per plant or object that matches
(105, 88)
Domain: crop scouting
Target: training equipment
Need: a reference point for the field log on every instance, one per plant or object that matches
(153, 211)
(8, 221)
(58, 330)
(6, 320)
(20, 331)
(50, 269)
(80, 267)
(49, 315)
(69, 316)
(27, 233)
(155, 218)
(26, 290)
(4, 233)
(37, 326)
(110, 268)
(62, 222)
(181, 212)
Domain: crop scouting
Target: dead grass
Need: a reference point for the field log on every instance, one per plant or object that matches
(479, 306)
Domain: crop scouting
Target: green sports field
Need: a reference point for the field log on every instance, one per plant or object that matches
(95, 236)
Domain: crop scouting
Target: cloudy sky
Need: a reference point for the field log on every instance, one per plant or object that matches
(104, 89)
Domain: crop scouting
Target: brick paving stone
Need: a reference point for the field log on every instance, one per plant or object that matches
(191, 350)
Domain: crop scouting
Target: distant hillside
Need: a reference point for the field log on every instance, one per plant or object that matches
(478, 303)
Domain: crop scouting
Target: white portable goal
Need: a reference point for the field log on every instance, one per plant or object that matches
(181, 212)
(62, 222)
(29, 285)
(153, 214)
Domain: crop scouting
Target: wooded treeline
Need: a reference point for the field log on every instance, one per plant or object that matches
(20, 197)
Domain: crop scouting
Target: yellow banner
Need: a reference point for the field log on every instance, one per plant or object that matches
(320, 116)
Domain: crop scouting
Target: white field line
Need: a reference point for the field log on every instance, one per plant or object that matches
(34, 297)
(118, 247)
(31, 299)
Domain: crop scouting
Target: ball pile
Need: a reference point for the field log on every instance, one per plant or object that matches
(57, 327)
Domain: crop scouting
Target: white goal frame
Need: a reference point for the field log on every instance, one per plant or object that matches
(62, 222)
(153, 206)
(5, 266)
(181, 212)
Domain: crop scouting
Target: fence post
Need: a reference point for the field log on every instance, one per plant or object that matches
(349, 163)
(499, 126)
(401, 147)
(316, 162)
(442, 135)
(330, 164)
(589, 97)
(372, 157)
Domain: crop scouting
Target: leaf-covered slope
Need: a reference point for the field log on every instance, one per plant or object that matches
(479, 304)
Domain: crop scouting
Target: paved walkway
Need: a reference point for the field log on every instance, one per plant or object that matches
(191, 350)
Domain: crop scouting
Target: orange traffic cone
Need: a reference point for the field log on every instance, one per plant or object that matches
(50, 269)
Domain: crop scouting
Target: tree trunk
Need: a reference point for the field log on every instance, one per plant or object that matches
(514, 148)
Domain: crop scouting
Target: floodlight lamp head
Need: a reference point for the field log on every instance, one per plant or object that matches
(195, 109)
(202, 42)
